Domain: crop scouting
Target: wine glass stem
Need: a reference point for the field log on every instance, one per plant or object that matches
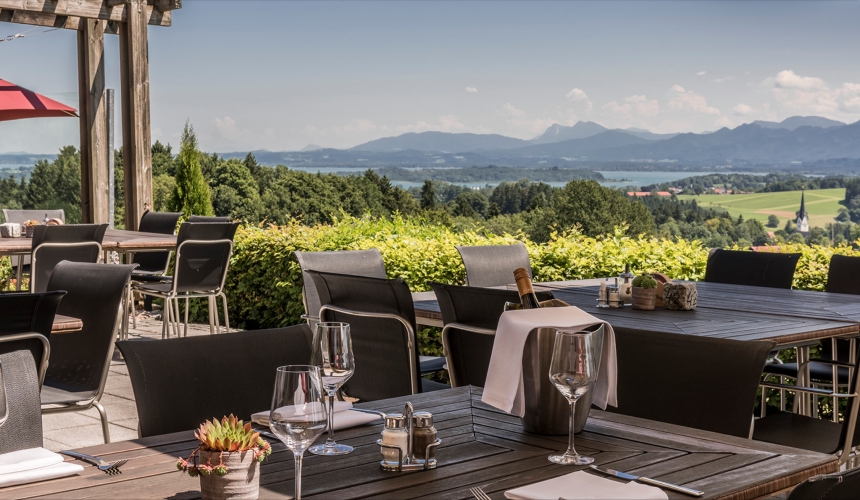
(297, 458)
(570, 448)
(330, 440)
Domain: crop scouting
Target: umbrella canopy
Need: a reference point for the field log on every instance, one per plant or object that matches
(17, 103)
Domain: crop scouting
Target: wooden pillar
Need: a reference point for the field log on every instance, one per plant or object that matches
(94, 147)
(136, 135)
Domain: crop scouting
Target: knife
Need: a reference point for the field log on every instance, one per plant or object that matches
(652, 482)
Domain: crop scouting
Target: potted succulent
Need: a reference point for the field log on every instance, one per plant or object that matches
(227, 459)
(643, 292)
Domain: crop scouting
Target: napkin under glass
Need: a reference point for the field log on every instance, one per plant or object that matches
(581, 485)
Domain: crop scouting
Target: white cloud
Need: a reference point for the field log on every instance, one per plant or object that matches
(787, 79)
(446, 123)
(618, 109)
(644, 106)
(227, 129)
(743, 110)
(519, 120)
(811, 95)
(690, 102)
(700, 74)
(677, 88)
(512, 112)
(578, 95)
(471, 89)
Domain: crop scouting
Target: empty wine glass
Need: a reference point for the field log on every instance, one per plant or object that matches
(573, 373)
(298, 414)
(332, 352)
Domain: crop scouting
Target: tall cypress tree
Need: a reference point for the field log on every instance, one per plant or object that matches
(191, 193)
(428, 196)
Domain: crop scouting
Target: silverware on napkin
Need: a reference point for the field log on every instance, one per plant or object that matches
(652, 482)
(478, 493)
(111, 468)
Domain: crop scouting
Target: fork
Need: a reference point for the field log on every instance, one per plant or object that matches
(111, 468)
(479, 494)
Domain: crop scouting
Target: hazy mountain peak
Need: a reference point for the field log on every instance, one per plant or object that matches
(311, 147)
(794, 122)
(559, 133)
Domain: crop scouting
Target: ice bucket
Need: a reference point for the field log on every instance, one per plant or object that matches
(547, 411)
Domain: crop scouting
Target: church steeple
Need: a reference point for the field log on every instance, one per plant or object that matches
(802, 216)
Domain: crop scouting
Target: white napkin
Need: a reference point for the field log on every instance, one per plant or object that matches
(344, 416)
(504, 384)
(581, 485)
(34, 464)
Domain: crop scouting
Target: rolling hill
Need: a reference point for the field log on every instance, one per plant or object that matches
(821, 204)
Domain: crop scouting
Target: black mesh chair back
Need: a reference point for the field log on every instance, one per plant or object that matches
(207, 218)
(843, 275)
(353, 262)
(381, 316)
(735, 267)
(20, 408)
(23, 312)
(203, 255)
(478, 310)
(54, 244)
(161, 223)
(700, 382)
(494, 265)
(79, 361)
(842, 485)
(173, 379)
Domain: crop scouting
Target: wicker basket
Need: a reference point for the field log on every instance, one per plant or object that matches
(644, 298)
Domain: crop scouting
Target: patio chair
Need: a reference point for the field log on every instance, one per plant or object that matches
(700, 382)
(381, 316)
(21, 263)
(152, 265)
(471, 315)
(207, 218)
(179, 383)
(366, 263)
(20, 417)
(203, 251)
(79, 361)
(767, 269)
(842, 485)
(32, 315)
(493, 265)
(54, 244)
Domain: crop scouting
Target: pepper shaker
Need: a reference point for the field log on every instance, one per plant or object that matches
(423, 435)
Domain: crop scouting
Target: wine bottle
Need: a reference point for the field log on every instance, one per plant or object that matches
(524, 287)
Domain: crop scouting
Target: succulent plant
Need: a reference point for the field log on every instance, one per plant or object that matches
(227, 435)
(644, 281)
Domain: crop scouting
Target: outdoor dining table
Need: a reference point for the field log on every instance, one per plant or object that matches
(481, 446)
(117, 240)
(791, 318)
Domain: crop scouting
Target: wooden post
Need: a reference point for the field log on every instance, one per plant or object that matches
(136, 136)
(94, 147)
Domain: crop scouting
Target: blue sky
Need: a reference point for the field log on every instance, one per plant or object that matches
(279, 75)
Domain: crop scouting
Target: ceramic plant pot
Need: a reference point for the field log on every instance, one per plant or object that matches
(242, 481)
(643, 298)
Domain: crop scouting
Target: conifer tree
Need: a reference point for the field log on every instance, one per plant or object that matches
(191, 193)
(428, 196)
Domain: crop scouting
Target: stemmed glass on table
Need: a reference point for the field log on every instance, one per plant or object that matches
(332, 352)
(572, 371)
(298, 416)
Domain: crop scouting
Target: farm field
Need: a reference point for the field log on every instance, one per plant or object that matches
(822, 205)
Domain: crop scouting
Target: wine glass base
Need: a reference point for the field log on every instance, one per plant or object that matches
(565, 459)
(325, 450)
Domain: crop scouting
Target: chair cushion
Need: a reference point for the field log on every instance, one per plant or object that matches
(798, 431)
(430, 364)
(54, 395)
(817, 371)
(430, 386)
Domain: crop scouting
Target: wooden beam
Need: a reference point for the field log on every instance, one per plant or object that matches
(49, 20)
(136, 134)
(95, 207)
(90, 9)
(167, 5)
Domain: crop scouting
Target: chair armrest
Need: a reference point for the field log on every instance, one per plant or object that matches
(307, 317)
(834, 362)
(470, 328)
(810, 390)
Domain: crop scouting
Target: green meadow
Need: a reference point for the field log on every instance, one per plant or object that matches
(822, 205)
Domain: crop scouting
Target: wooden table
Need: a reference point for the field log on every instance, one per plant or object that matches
(480, 447)
(117, 240)
(66, 324)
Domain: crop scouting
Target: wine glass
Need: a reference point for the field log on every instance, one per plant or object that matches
(298, 414)
(332, 352)
(573, 373)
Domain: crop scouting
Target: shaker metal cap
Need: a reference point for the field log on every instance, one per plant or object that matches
(422, 419)
(395, 421)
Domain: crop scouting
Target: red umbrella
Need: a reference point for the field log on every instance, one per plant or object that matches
(17, 103)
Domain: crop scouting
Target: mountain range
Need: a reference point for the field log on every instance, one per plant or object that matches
(793, 141)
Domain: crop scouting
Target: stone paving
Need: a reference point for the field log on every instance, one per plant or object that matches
(65, 431)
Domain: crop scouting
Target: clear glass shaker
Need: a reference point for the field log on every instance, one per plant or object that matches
(395, 434)
(423, 434)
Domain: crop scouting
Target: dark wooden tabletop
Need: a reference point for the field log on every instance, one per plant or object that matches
(66, 324)
(115, 239)
(480, 447)
(786, 317)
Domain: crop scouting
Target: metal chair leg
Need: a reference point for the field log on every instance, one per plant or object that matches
(185, 331)
(105, 425)
(176, 317)
(226, 317)
(212, 314)
(165, 319)
(215, 312)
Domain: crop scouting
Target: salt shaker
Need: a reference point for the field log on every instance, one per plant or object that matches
(395, 435)
(423, 435)
(626, 290)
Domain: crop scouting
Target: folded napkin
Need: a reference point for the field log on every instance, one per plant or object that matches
(34, 464)
(581, 485)
(504, 384)
(344, 416)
